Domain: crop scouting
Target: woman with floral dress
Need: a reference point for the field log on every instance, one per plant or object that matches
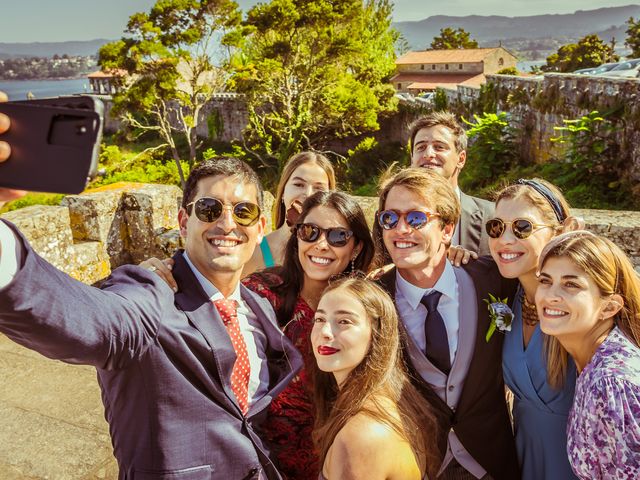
(589, 301)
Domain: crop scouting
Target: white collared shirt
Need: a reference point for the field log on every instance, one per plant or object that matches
(414, 314)
(8, 255)
(251, 330)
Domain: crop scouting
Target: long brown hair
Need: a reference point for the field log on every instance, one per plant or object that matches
(380, 376)
(279, 208)
(610, 269)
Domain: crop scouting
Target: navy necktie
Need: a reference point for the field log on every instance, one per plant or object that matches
(437, 350)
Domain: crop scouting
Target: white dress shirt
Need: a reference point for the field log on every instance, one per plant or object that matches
(251, 330)
(414, 314)
(8, 255)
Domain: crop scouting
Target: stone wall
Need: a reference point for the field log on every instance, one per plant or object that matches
(538, 104)
(92, 233)
(224, 118)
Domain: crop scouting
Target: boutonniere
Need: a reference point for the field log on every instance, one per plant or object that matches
(500, 315)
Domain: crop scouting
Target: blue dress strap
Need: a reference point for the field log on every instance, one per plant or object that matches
(266, 253)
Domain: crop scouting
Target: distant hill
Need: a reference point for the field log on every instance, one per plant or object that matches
(606, 22)
(45, 49)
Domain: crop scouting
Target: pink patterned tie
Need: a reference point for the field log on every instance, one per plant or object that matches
(228, 310)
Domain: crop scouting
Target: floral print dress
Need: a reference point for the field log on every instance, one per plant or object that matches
(604, 423)
(289, 424)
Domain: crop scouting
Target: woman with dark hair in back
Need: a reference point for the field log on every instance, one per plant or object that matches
(371, 421)
(330, 238)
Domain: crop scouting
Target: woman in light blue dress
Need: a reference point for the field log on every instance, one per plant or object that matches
(528, 215)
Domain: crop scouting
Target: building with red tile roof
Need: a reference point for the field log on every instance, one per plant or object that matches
(424, 71)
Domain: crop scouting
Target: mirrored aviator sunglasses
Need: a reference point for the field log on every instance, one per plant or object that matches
(521, 227)
(336, 237)
(388, 219)
(208, 209)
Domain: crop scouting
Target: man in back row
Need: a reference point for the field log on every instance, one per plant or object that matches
(438, 142)
(184, 376)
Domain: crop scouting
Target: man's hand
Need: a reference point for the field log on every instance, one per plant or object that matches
(6, 194)
(458, 255)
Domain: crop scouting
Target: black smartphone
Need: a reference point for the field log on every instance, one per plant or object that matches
(54, 143)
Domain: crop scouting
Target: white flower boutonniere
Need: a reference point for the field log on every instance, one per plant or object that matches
(500, 314)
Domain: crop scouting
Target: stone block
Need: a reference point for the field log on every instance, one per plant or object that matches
(168, 242)
(93, 214)
(149, 211)
(47, 230)
(90, 262)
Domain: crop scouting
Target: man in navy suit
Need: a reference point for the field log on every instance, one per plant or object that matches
(438, 142)
(185, 376)
(443, 324)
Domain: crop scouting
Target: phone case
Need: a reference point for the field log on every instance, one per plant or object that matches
(52, 147)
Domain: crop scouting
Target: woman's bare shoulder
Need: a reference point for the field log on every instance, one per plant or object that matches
(371, 449)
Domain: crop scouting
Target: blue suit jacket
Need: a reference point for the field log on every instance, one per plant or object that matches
(164, 364)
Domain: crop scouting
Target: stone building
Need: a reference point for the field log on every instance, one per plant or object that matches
(424, 71)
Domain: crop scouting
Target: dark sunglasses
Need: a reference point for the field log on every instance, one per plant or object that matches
(209, 209)
(521, 227)
(336, 237)
(388, 219)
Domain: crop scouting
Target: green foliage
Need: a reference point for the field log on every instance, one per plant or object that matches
(312, 71)
(143, 165)
(215, 124)
(360, 171)
(450, 39)
(508, 71)
(633, 37)
(32, 199)
(590, 51)
(491, 153)
(440, 101)
(592, 162)
(168, 57)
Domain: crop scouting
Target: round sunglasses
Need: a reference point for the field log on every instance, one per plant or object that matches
(388, 219)
(521, 227)
(336, 237)
(208, 209)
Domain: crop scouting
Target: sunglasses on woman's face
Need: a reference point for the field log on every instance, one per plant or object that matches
(389, 219)
(209, 209)
(521, 227)
(336, 237)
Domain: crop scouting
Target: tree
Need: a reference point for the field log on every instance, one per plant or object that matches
(590, 51)
(451, 39)
(169, 58)
(312, 71)
(633, 37)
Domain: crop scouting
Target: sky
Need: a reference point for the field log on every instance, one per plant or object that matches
(64, 20)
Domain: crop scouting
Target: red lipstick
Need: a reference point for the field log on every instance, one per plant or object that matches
(324, 350)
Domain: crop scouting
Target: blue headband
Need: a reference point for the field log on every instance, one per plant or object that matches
(548, 196)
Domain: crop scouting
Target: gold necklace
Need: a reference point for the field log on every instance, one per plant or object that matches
(529, 312)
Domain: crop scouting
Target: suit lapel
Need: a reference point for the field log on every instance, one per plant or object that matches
(192, 299)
